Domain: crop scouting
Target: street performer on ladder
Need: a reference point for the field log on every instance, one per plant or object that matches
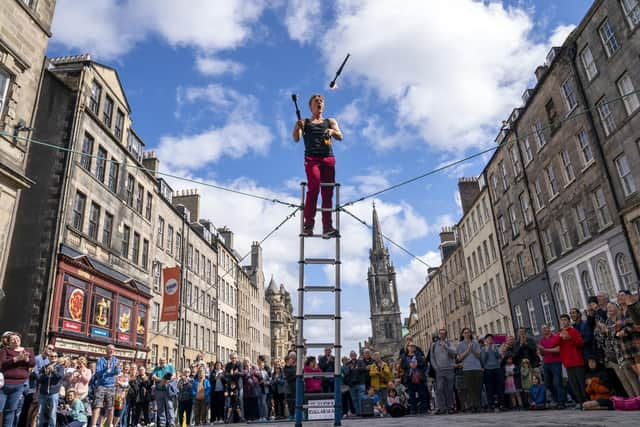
(319, 163)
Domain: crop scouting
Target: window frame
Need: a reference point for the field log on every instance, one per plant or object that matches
(591, 74)
(626, 177)
(95, 95)
(564, 233)
(552, 181)
(114, 175)
(4, 91)
(584, 146)
(78, 211)
(605, 112)
(107, 111)
(118, 129)
(101, 163)
(527, 150)
(107, 229)
(86, 154)
(605, 39)
(126, 240)
(567, 166)
(631, 14)
(571, 102)
(135, 248)
(602, 209)
(94, 222)
(537, 192)
(628, 95)
(582, 223)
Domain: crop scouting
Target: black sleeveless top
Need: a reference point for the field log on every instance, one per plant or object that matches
(313, 135)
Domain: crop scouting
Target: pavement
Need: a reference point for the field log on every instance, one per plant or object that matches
(568, 417)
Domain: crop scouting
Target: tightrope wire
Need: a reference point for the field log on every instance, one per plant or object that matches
(571, 116)
(142, 168)
(197, 298)
(417, 258)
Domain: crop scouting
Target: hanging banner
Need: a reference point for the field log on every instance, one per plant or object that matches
(171, 294)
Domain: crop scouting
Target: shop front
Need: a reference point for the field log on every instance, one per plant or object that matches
(94, 306)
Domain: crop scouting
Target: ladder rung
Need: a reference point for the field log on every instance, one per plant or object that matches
(329, 184)
(319, 345)
(319, 288)
(318, 374)
(326, 210)
(319, 317)
(318, 236)
(320, 261)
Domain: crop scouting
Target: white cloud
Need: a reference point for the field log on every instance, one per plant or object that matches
(212, 66)
(240, 134)
(110, 28)
(412, 276)
(303, 19)
(371, 183)
(560, 34)
(452, 72)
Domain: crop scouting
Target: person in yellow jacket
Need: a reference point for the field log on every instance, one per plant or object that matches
(380, 374)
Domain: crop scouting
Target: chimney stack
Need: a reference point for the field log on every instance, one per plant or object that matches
(469, 188)
(256, 256)
(227, 235)
(540, 72)
(151, 162)
(447, 242)
(190, 199)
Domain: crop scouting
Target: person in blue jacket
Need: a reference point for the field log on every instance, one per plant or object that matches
(104, 380)
(201, 390)
(537, 394)
(49, 382)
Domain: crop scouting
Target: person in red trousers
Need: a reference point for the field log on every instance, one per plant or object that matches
(319, 163)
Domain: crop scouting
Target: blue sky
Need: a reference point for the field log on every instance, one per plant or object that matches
(209, 83)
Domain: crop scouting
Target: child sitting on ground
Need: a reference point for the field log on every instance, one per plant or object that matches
(537, 394)
(75, 410)
(378, 408)
(597, 388)
(394, 405)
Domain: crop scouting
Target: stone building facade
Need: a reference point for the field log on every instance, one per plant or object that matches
(101, 227)
(454, 284)
(429, 311)
(483, 264)
(182, 239)
(254, 311)
(605, 61)
(517, 234)
(228, 273)
(573, 199)
(25, 28)
(93, 205)
(282, 321)
(386, 326)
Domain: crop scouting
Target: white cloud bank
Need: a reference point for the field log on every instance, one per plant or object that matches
(452, 70)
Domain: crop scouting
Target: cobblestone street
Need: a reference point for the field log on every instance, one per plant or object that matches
(525, 418)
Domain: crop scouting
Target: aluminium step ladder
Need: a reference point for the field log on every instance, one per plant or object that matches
(301, 343)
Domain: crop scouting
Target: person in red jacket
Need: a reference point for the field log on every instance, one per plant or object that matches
(15, 362)
(570, 342)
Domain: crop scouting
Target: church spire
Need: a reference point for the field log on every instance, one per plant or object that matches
(378, 242)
